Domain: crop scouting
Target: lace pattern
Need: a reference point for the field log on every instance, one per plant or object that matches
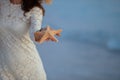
(36, 18)
(19, 59)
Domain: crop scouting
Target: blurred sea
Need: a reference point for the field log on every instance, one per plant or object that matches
(89, 48)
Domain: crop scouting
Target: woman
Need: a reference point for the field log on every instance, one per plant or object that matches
(19, 59)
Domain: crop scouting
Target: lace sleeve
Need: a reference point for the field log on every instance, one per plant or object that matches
(35, 16)
(36, 19)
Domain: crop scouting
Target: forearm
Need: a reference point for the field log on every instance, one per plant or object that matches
(35, 21)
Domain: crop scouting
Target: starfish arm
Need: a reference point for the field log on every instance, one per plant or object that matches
(52, 37)
(48, 28)
(47, 34)
(57, 32)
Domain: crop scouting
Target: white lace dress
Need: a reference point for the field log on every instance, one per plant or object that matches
(19, 59)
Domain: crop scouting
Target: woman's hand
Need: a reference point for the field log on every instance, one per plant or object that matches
(47, 34)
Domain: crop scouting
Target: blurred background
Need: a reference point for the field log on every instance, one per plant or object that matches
(89, 48)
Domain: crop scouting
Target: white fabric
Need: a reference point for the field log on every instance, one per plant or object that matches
(36, 19)
(19, 59)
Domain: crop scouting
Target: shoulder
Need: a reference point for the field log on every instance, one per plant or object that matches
(36, 10)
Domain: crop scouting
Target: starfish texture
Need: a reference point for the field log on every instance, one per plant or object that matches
(48, 34)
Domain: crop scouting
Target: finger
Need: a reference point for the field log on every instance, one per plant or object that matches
(58, 34)
(47, 39)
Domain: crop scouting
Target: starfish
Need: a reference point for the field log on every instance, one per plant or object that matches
(48, 34)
